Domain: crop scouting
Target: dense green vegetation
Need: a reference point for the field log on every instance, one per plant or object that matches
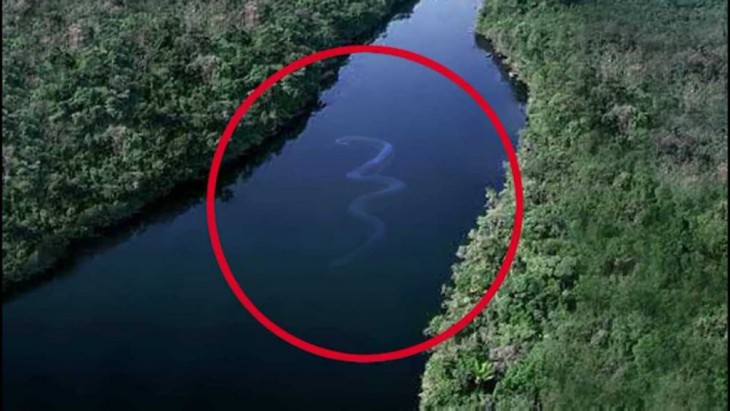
(109, 104)
(618, 296)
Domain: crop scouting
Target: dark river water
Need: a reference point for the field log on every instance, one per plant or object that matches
(144, 319)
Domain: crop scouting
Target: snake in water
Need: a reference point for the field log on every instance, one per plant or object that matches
(368, 173)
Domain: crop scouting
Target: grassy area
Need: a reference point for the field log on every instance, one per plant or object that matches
(107, 105)
(618, 297)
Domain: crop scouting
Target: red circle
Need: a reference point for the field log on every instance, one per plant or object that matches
(326, 352)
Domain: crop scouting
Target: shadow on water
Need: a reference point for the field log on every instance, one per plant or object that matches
(191, 193)
(519, 89)
(178, 201)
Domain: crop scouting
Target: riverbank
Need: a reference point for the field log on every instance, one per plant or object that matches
(107, 107)
(146, 318)
(618, 294)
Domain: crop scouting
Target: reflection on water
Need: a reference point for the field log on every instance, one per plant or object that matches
(505, 72)
(165, 210)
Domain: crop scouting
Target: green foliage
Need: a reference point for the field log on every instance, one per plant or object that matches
(618, 297)
(108, 105)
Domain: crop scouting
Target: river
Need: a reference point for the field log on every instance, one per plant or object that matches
(144, 319)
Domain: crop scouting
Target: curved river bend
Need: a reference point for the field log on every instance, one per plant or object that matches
(346, 246)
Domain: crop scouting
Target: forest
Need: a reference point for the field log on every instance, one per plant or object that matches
(618, 296)
(108, 105)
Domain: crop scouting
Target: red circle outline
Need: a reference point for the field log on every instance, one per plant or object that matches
(326, 352)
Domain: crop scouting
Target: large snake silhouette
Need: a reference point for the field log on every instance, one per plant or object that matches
(368, 172)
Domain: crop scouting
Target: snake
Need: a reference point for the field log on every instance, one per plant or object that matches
(368, 172)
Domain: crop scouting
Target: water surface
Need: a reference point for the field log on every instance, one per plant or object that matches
(148, 322)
